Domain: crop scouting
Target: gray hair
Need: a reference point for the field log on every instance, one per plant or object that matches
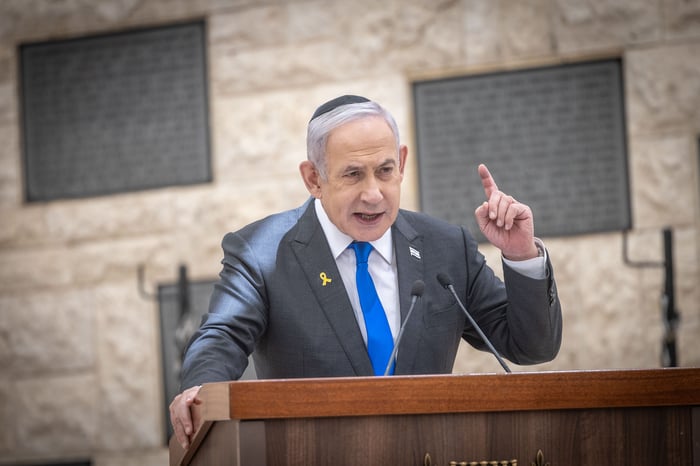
(320, 128)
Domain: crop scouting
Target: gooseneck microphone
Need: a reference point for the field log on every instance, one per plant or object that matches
(416, 292)
(446, 283)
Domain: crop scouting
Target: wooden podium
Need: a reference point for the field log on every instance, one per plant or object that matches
(630, 417)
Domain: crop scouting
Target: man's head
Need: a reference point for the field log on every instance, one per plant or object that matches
(355, 165)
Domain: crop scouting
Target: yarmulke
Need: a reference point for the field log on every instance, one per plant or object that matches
(337, 102)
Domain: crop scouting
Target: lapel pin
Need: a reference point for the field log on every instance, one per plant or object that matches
(325, 278)
(414, 252)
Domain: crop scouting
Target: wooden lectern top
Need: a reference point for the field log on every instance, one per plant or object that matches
(438, 394)
(362, 396)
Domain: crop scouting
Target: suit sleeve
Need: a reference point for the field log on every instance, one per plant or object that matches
(534, 316)
(521, 317)
(237, 316)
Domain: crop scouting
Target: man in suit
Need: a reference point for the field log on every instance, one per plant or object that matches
(290, 292)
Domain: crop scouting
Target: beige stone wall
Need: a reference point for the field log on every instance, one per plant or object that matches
(79, 347)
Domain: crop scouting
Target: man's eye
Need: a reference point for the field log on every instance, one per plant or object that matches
(352, 174)
(386, 170)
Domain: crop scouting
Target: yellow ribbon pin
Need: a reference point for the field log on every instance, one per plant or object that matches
(325, 278)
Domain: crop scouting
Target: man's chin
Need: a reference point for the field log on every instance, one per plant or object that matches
(369, 233)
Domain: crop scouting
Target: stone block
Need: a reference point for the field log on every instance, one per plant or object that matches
(526, 29)
(92, 219)
(10, 170)
(602, 24)
(21, 227)
(682, 18)
(398, 36)
(262, 26)
(663, 185)
(663, 89)
(8, 103)
(71, 222)
(8, 62)
(26, 270)
(56, 415)
(482, 30)
(130, 409)
(306, 22)
(502, 30)
(35, 20)
(598, 292)
(45, 333)
(246, 150)
(8, 411)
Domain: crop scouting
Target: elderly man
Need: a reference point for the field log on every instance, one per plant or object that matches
(322, 290)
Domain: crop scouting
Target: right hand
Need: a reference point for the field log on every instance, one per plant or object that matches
(181, 416)
(505, 222)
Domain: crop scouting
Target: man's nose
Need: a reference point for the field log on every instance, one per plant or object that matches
(371, 191)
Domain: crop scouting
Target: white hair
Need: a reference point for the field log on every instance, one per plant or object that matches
(320, 128)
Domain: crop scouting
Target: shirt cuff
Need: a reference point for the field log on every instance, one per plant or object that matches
(535, 268)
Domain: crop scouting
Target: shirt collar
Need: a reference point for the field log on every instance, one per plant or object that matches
(339, 241)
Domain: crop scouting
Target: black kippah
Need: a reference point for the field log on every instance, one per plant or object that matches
(337, 102)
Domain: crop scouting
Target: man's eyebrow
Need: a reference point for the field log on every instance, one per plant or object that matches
(360, 167)
(388, 161)
(352, 167)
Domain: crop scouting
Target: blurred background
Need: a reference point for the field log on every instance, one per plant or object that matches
(135, 133)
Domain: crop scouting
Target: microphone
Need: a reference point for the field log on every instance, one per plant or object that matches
(416, 292)
(446, 283)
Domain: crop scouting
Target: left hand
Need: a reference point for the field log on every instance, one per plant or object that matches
(505, 222)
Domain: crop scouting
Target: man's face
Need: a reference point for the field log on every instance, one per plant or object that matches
(364, 174)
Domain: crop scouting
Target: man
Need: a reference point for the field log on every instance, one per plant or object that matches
(292, 287)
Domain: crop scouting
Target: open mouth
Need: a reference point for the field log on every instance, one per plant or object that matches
(368, 218)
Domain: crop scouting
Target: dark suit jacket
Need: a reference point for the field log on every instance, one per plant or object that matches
(271, 299)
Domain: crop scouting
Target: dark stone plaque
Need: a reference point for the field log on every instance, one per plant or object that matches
(552, 137)
(115, 113)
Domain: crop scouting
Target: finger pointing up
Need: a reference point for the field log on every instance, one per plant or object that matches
(487, 181)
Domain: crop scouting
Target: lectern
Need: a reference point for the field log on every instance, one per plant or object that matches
(577, 418)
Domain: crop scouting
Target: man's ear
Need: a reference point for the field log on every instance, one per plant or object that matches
(403, 154)
(311, 177)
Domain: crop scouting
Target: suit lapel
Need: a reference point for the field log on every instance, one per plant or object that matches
(408, 247)
(311, 250)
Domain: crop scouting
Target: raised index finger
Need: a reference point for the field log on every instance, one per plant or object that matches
(487, 181)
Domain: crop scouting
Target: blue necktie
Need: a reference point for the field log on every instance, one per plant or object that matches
(380, 343)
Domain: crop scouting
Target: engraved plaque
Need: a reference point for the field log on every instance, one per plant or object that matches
(115, 113)
(552, 137)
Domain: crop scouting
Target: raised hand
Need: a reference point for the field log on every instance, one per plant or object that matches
(505, 222)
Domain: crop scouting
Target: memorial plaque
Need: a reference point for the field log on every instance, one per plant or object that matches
(115, 113)
(552, 137)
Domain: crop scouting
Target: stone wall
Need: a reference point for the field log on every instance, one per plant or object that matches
(79, 346)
